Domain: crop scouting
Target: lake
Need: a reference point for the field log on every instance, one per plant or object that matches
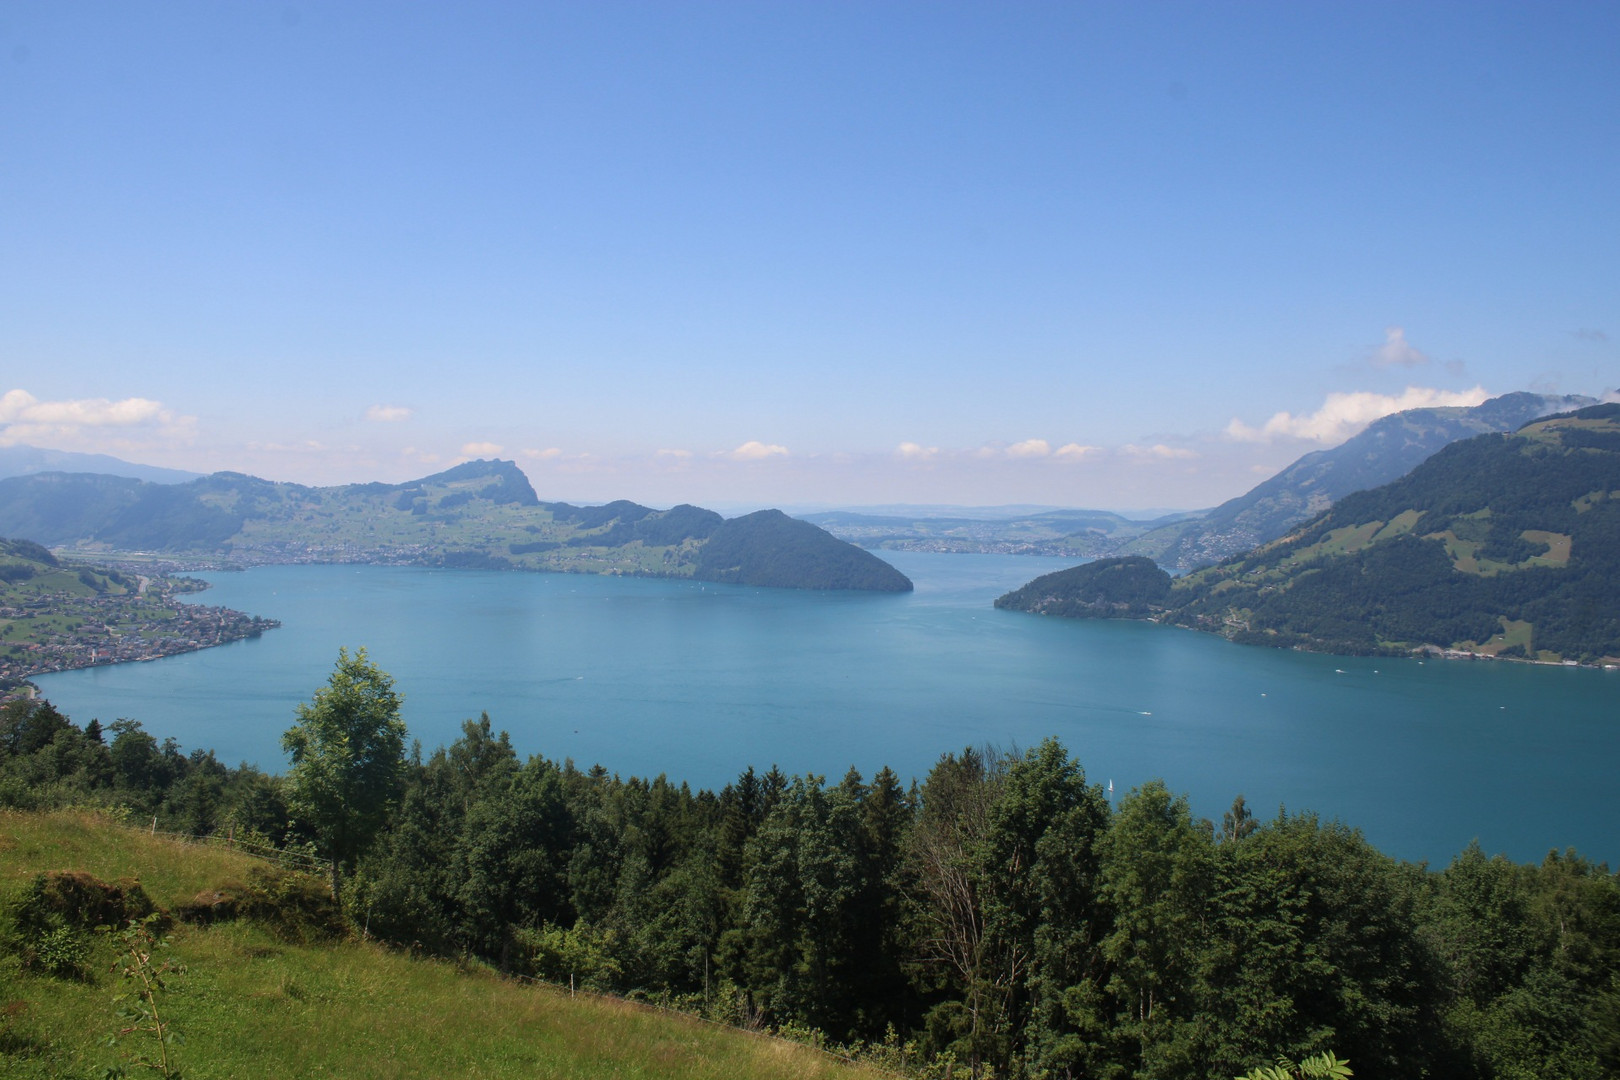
(700, 681)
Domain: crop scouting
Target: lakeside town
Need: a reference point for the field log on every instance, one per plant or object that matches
(62, 631)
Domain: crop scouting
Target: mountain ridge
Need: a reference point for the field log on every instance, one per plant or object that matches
(1386, 449)
(480, 514)
(1503, 545)
(23, 460)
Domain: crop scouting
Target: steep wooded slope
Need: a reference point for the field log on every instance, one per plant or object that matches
(1506, 545)
(1388, 449)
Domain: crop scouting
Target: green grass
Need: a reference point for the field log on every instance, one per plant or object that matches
(1558, 547)
(251, 1005)
(1465, 553)
(1343, 541)
(1592, 498)
(1399, 525)
(1514, 632)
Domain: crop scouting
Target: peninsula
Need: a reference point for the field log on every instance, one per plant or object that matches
(56, 615)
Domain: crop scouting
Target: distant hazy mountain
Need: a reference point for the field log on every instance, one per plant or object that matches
(26, 460)
(1387, 449)
(923, 511)
(1003, 529)
(483, 514)
(1506, 545)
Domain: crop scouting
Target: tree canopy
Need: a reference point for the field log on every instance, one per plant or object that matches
(348, 757)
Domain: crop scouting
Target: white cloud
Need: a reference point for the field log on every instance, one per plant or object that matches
(1344, 414)
(23, 417)
(481, 449)
(673, 460)
(305, 447)
(1158, 452)
(1396, 351)
(754, 450)
(388, 414)
(550, 453)
(1029, 448)
(910, 451)
(19, 406)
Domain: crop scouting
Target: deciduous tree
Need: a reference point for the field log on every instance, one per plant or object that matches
(348, 755)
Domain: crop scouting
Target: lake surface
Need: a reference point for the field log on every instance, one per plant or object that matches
(701, 681)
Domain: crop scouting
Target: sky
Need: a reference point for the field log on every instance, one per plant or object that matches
(1114, 255)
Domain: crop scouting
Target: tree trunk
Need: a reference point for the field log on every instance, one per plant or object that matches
(337, 886)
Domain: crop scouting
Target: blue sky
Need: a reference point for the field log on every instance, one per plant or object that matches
(796, 253)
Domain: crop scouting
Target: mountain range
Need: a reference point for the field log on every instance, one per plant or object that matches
(481, 514)
(21, 460)
(969, 530)
(1387, 449)
(1501, 545)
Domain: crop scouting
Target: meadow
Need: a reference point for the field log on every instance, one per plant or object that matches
(251, 1003)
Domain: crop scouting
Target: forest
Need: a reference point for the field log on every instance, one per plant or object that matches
(1003, 913)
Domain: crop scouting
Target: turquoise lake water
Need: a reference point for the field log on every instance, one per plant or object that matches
(699, 682)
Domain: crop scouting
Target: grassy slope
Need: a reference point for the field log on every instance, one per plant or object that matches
(253, 1006)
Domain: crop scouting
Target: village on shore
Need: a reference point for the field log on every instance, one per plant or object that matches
(62, 632)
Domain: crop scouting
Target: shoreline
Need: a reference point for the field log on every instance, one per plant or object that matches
(101, 631)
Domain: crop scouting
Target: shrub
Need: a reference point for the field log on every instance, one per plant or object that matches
(60, 952)
(78, 900)
(57, 911)
(295, 907)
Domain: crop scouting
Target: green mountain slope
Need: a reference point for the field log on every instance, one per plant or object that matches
(482, 514)
(1505, 545)
(258, 998)
(1388, 449)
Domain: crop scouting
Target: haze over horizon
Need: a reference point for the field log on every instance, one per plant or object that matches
(1102, 255)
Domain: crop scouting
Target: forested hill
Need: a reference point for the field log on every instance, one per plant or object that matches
(1386, 450)
(481, 514)
(770, 548)
(1504, 545)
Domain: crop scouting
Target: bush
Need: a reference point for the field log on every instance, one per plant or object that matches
(58, 910)
(295, 907)
(60, 952)
(80, 902)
